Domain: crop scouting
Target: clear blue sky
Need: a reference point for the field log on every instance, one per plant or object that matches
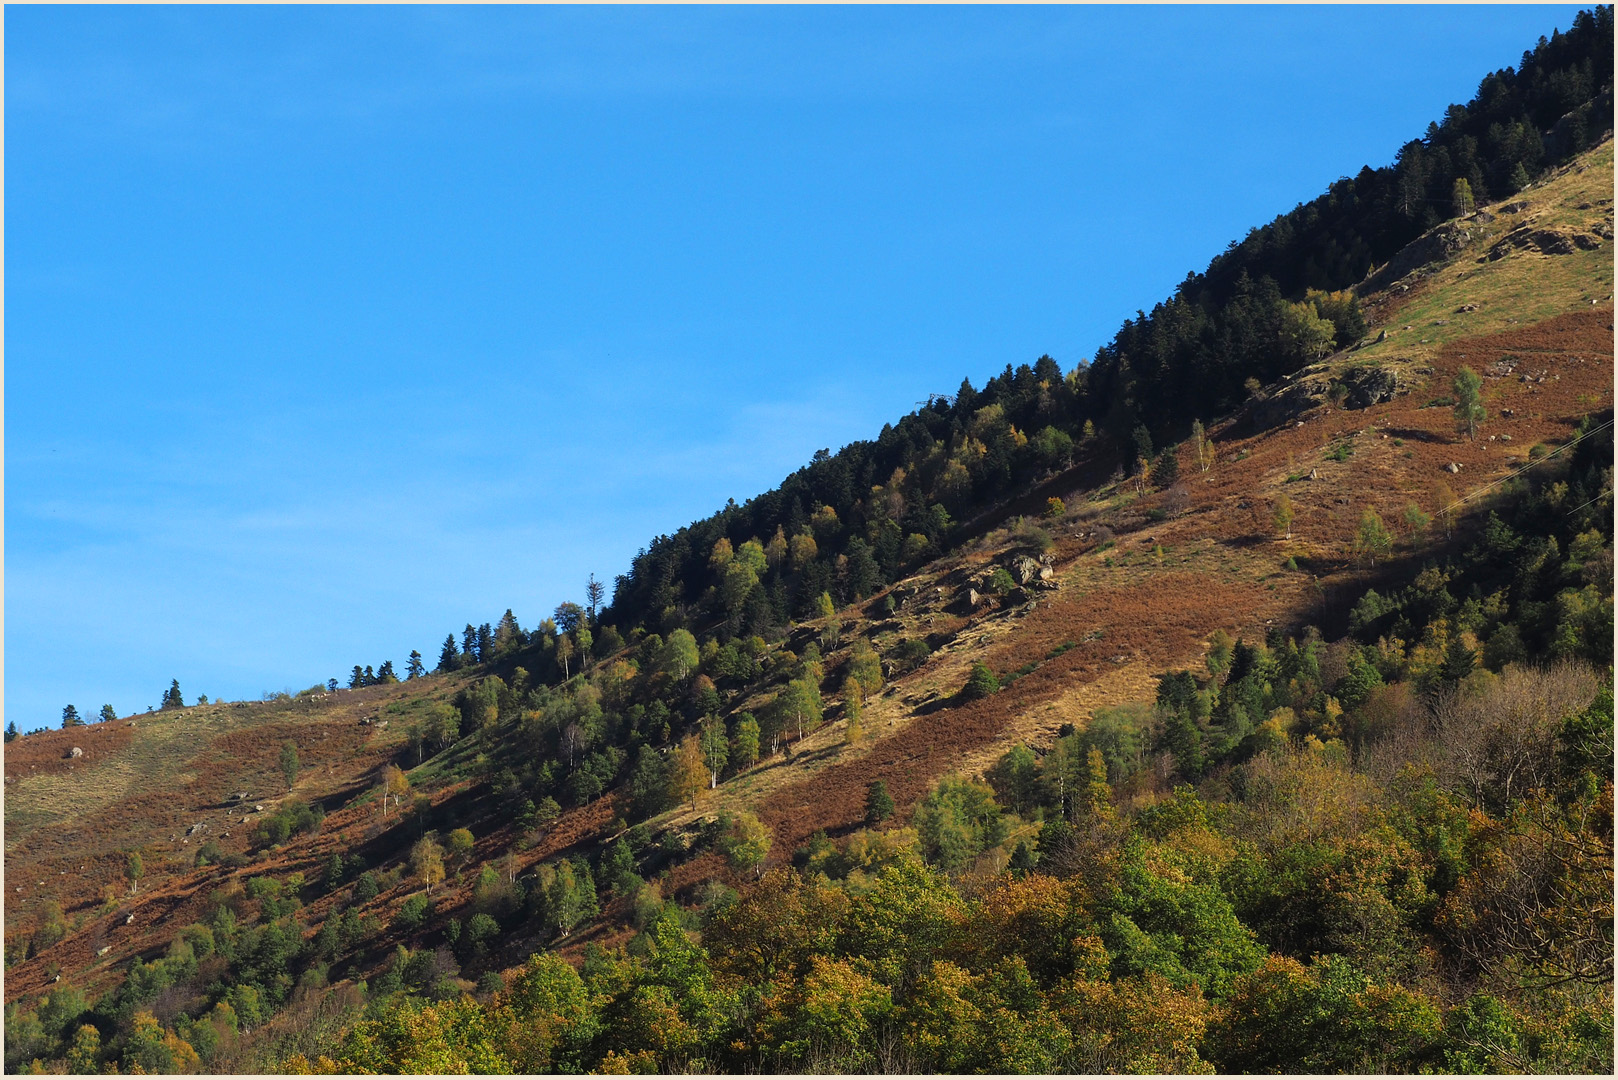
(329, 330)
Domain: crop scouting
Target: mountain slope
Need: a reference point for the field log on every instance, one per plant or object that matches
(1141, 577)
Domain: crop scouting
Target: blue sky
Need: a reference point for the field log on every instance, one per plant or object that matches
(329, 330)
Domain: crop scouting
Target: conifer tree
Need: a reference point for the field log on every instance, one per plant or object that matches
(594, 593)
(172, 698)
(70, 717)
(449, 657)
(108, 714)
(878, 804)
(413, 667)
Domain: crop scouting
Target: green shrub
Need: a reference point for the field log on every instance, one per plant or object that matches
(981, 683)
(412, 914)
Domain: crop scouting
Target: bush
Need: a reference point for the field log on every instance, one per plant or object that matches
(981, 683)
(412, 914)
(1029, 533)
(911, 653)
(292, 818)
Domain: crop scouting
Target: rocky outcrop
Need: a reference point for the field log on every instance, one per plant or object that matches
(1544, 241)
(1369, 386)
(1365, 386)
(1436, 245)
(1295, 398)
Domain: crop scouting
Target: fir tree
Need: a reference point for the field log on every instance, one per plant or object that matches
(878, 804)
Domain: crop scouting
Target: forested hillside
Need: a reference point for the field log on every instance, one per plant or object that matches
(1275, 301)
(1238, 701)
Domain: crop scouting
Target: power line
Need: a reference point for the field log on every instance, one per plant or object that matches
(1518, 472)
(1582, 505)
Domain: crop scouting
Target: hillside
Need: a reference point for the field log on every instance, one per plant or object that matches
(1084, 584)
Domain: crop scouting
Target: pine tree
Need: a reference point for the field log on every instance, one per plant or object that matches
(878, 804)
(356, 678)
(594, 593)
(108, 714)
(70, 718)
(1022, 860)
(508, 635)
(11, 730)
(414, 668)
(449, 657)
(1167, 469)
(385, 675)
(172, 698)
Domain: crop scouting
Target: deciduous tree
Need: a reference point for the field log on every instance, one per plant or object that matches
(744, 743)
(1371, 540)
(289, 763)
(688, 772)
(1469, 411)
(715, 750)
(427, 862)
(1283, 514)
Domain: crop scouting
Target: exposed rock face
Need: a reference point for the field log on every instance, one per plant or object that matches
(1287, 403)
(1366, 386)
(1544, 241)
(1369, 386)
(76, 752)
(1435, 245)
